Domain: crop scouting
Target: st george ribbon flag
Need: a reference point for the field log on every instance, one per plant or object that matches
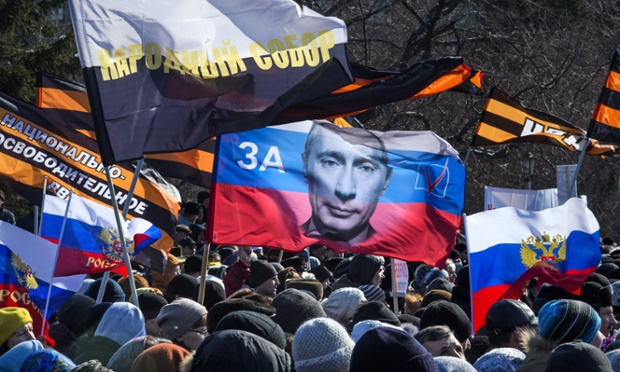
(605, 123)
(90, 242)
(559, 245)
(505, 120)
(178, 73)
(398, 194)
(26, 271)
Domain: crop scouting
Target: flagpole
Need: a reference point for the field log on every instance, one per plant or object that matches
(573, 180)
(51, 283)
(106, 275)
(39, 223)
(467, 155)
(394, 286)
(203, 275)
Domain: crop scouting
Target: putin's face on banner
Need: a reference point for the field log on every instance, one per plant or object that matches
(345, 182)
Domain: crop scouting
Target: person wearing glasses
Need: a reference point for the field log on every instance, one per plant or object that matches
(184, 322)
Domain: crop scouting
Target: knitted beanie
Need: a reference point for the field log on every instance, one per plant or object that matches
(375, 311)
(342, 266)
(12, 319)
(253, 322)
(501, 359)
(390, 349)
(181, 285)
(342, 304)
(193, 264)
(448, 314)
(13, 359)
(293, 308)
(122, 358)
(162, 357)
(71, 313)
(151, 304)
(452, 364)
(121, 322)
(260, 272)
(321, 345)
(364, 267)
(178, 317)
(47, 360)
(568, 320)
(577, 356)
(113, 291)
(372, 292)
(214, 293)
(311, 286)
(221, 309)
(440, 283)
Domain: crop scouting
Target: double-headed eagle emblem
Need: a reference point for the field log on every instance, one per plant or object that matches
(111, 244)
(24, 273)
(551, 249)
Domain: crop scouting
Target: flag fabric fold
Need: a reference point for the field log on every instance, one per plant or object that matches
(508, 245)
(605, 123)
(505, 120)
(90, 242)
(398, 194)
(27, 271)
(181, 73)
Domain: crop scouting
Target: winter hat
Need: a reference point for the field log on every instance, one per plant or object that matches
(462, 278)
(181, 285)
(596, 291)
(71, 313)
(440, 283)
(408, 318)
(221, 309)
(366, 325)
(342, 265)
(151, 304)
(178, 316)
(160, 358)
(193, 264)
(121, 322)
(577, 356)
(435, 295)
(321, 273)
(321, 345)
(432, 274)
(311, 286)
(375, 310)
(260, 272)
(389, 349)
(65, 339)
(342, 304)
(47, 360)
(614, 359)
(234, 350)
(608, 270)
(13, 359)
(448, 314)
(217, 271)
(364, 267)
(548, 293)
(113, 291)
(277, 266)
(12, 319)
(122, 358)
(616, 290)
(452, 364)
(293, 308)
(501, 359)
(372, 292)
(505, 315)
(95, 314)
(568, 320)
(253, 322)
(214, 293)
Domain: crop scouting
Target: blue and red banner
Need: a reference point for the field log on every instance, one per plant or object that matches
(397, 194)
(508, 246)
(27, 271)
(90, 241)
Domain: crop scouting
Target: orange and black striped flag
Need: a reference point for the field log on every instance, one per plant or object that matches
(68, 102)
(505, 120)
(605, 123)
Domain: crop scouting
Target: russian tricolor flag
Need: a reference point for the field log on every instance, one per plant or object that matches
(91, 242)
(506, 244)
(26, 271)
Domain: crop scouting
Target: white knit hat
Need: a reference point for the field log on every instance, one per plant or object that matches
(342, 303)
(321, 345)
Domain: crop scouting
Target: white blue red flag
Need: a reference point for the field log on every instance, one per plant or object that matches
(508, 246)
(91, 241)
(26, 271)
(397, 194)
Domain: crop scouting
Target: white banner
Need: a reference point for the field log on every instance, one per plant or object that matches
(565, 174)
(530, 200)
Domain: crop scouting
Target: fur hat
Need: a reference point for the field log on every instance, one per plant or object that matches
(151, 304)
(293, 308)
(221, 309)
(435, 295)
(372, 292)
(577, 356)
(501, 359)
(178, 317)
(121, 322)
(12, 319)
(342, 304)
(568, 320)
(311, 286)
(448, 314)
(375, 310)
(321, 345)
(260, 272)
(390, 349)
(253, 322)
(596, 291)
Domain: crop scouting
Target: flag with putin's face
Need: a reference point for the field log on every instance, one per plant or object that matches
(397, 194)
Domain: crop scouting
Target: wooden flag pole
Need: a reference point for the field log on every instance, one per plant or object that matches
(203, 274)
(394, 286)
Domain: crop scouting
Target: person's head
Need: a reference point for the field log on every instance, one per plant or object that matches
(151, 304)
(191, 210)
(346, 176)
(181, 232)
(188, 246)
(263, 278)
(322, 344)
(597, 292)
(577, 356)
(507, 321)
(184, 322)
(564, 321)
(15, 326)
(440, 341)
(451, 315)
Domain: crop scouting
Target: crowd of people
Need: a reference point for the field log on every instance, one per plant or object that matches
(315, 310)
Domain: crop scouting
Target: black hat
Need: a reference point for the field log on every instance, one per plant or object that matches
(293, 308)
(181, 285)
(312, 286)
(253, 322)
(375, 310)
(221, 309)
(191, 208)
(71, 313)
(193, 264)
(577, 356)
(596, 291)
(321, 273)
(505, 315)
(187, 242)
(150, 304)
(260, 272)
(448, 314)
(184, 228)
(548, 293)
